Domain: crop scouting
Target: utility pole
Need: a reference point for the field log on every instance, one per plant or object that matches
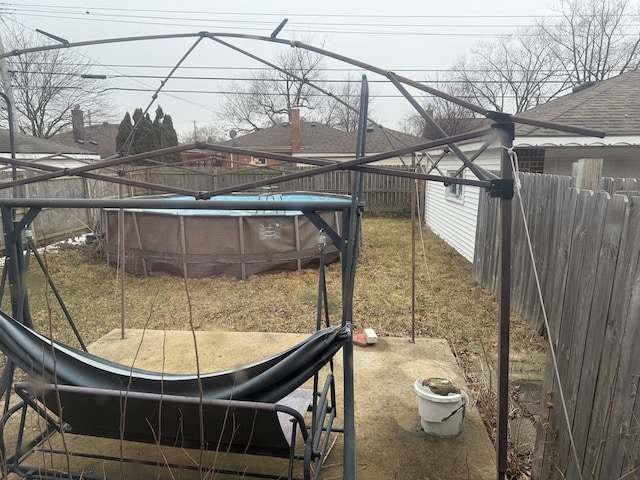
(195, 137)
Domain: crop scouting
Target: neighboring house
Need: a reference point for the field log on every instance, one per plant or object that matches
(377, 140)
(44, 152)
(612, 106)
(99, 139)
(301, 138)
(284, 138)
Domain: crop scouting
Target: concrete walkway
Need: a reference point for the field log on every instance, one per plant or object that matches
(390, 443)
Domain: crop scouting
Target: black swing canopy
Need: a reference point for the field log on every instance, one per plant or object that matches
(269, 380)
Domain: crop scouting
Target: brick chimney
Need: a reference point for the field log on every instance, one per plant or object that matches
(294, 118)
(77, 123)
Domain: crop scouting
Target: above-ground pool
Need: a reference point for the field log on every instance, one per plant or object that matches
(210, 243)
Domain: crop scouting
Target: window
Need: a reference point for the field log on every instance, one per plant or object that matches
(531, 159)
(261, 161)
(455, 191)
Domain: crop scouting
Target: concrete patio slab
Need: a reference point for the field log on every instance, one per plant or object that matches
(389, 440)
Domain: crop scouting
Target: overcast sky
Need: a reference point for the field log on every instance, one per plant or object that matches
(414, 38)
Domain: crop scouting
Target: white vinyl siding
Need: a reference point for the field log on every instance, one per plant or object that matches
(454, 219)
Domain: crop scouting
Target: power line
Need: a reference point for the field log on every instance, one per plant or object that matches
(277, 79)
(281, 14)
(269, 94)
(270, 28)
(376, 31)
(266, 69)
(136, 81)
(269, 24)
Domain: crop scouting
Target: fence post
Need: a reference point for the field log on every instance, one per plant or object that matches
(588, 173)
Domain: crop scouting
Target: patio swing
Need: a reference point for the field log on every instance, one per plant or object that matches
(258, 409)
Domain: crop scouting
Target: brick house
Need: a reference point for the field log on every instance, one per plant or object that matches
(99, 139)
(284, 138)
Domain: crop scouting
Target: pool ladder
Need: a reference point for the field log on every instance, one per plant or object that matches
(268, 193)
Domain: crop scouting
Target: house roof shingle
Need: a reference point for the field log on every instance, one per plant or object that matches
(99, 139)
(377, 140)
(278, 137)
(35, 145)
(612, 105)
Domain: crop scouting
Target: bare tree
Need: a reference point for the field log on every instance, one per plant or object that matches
(514, 72)
(47, 85)
(589, 41)
(451, 117)
(203, 133)
(594, 39)
(267, 98)
(341, 109)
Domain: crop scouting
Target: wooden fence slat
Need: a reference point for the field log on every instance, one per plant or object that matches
(480, 266)
(541, 237)
(628, 367)
(596, 325)
(587, 250)
(578, 288)
(545, 453)
(493, 251)
(560, 188)
(622, 458)
(520, 255)
(526, 272)
(627, 259)
(633, 447)
(587, 239)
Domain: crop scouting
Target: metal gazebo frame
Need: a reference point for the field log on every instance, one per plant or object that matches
(499, 186)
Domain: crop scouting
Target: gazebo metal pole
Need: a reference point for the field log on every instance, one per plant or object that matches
(352, 235)
(505, 194)
(121, 263)
(349, 453)
(414, 196)
(11, 250)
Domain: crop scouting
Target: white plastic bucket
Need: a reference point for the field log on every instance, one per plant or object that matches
(440, 415)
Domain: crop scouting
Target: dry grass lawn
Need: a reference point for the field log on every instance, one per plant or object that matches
(449, 303)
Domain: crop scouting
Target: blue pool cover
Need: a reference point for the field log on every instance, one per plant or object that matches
(264, 199)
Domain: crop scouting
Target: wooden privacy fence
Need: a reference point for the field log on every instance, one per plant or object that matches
(587, 250)
(382, 194)
(52, 225)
